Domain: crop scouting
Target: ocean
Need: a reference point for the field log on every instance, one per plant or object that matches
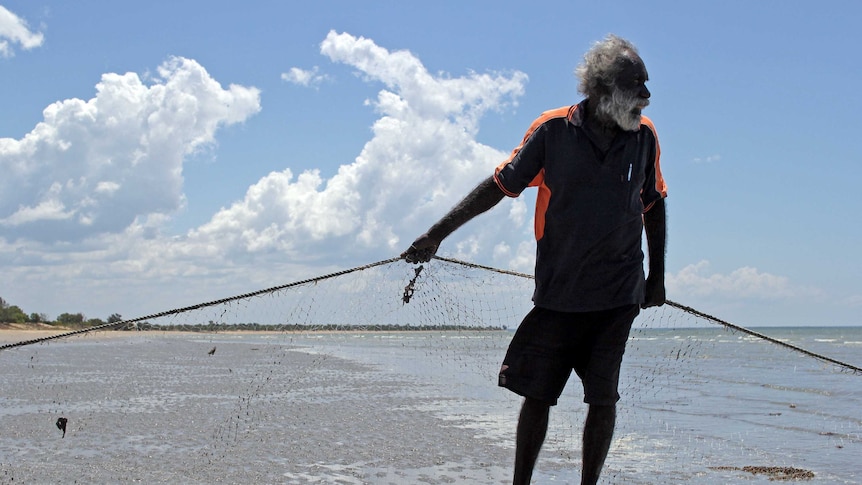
(698, 406)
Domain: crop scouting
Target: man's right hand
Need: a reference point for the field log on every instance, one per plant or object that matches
(422, 249)
(486, 195)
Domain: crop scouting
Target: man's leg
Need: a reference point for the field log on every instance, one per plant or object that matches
(598, 432)
(532, 427)
(601, 379)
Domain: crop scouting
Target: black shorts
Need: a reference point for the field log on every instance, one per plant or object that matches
(549, 344)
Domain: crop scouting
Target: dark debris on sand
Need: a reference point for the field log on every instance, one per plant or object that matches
(774, 472)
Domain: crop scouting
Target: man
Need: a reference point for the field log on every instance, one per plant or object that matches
(596, 166)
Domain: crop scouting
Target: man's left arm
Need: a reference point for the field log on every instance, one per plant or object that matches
(655, 226)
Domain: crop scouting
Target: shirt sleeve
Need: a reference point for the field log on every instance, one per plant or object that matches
(524, 168)
(654, 187)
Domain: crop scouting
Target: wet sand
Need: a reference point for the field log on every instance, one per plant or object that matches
(383, 408)
(14, 333)
(155, 407)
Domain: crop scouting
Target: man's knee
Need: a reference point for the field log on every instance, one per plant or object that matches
(603, 408)
(536, 405)
(601, 420)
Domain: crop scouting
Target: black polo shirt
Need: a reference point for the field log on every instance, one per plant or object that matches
(589, 209)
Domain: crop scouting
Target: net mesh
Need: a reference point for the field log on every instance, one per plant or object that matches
(388, 375)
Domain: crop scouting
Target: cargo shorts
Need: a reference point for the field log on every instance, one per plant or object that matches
(549, 344)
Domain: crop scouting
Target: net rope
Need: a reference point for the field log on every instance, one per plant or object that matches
(176, 311)
(408, 292)
(694, 312)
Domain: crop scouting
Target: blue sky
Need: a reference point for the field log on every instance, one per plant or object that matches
(161, 154)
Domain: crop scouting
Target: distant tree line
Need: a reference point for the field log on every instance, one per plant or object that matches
(260, 327)
(14, 314)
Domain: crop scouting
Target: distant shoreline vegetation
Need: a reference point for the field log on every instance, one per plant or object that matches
(259, 327)
(12, 316)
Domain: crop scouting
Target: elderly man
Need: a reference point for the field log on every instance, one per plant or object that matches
(596, 167)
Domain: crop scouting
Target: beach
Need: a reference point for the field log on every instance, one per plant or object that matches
(411, 407)
(18, 332)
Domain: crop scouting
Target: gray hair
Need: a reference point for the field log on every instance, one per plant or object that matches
(600, 65)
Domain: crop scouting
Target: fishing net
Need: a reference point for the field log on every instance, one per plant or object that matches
(387, 374)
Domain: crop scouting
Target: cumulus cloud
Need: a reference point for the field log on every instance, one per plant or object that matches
(743, 283)
(94, 166)
(304, 77)
(14, 30)
(109, 170)
(422, 158)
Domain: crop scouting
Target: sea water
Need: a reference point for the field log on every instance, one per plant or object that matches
(697, 406)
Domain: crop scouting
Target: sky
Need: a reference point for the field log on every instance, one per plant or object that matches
(156, 155)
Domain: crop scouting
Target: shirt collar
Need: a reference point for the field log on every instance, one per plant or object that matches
(578, 113)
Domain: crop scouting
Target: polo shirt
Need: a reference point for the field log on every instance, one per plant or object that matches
(589, 209)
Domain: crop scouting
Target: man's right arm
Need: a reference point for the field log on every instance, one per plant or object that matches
(485, 196)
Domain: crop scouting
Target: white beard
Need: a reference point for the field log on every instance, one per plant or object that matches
(623, 108)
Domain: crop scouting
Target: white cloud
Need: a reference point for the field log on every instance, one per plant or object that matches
(518, 212)
(107, 187)
(124, 150)
(304, 77)
(424, 95)
(743, 283)
(14, 30)
(48, 209)
(708, 159)
(523, 259)
(422, 158)
(95, 166)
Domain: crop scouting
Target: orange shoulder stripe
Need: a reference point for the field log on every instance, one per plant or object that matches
(562, 112)
(544, 194)
(660, 185)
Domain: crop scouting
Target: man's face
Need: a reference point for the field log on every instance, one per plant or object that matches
(629, 95)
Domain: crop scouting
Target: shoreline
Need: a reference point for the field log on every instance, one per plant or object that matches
(15, 332)
(18, 332)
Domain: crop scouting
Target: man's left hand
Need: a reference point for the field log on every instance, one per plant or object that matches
(654, 294)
